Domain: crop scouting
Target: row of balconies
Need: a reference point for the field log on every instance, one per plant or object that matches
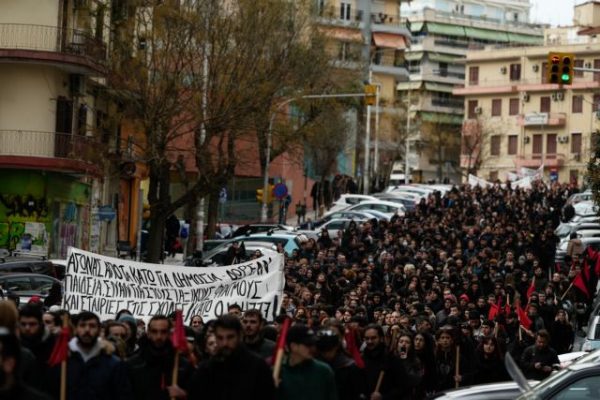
(53, 45)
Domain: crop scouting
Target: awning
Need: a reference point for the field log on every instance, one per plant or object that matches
(347, 35)
(486, 34)
(415, 85)
(441, 118)
(389, 40)
(525, 39)
(445, 29)
(445, 58)
(438, 87)
(416, 26)
(413, 55)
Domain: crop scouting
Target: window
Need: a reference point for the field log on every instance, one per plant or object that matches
(347, 52)
(584, 388)
(576, 143)
(551, 143)
(495, 145)
(64, 115)
(578, 64)
(577, 104)
(471, 106)
(82, 120)
(473, 75)
(597, 74)
(596, 101)
(345, 11)
(493, 176)
(513, 142)
(17, 284)
(515, 72)
(537, 146)
(496, 107)
(573, 176)
(513, 106)
(443, 67)
(545, 104)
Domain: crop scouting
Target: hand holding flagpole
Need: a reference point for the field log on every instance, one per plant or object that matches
(179, 345)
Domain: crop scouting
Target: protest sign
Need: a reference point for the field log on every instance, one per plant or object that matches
(105, 285)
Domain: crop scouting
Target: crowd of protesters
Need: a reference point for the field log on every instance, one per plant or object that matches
(397, 309)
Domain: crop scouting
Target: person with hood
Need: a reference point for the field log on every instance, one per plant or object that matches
(93, 373)
(350, 380)
(36, 338)
(132, 337)
(562, 333)
(11, 385)
(150, 369)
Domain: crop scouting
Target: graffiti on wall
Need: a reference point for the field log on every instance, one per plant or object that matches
(24, 206)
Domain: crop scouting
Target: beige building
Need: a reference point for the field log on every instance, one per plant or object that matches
(513, 119)
(370, 38)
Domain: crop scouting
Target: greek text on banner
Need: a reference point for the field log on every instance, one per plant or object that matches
(106, 285)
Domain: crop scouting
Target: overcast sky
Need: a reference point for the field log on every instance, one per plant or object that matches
(555, 12)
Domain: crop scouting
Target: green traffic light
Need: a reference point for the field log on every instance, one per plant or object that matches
(565, 77)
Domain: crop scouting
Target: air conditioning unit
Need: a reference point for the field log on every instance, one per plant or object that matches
(478, 110)
(526, 140)
(525, 97)
(563, 139)
(535, 68)
(503, 70)
(588, 65)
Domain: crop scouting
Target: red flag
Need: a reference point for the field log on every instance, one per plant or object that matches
(60, 352)
(531, 288)
(494, 310)
(178, 336)
(523, 317)
(580, 284)
(353, 349)
(280, 346)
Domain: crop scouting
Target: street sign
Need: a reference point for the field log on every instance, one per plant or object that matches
(106, 213)
(535, 119)
(280, 191)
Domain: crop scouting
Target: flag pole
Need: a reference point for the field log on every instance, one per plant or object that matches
(175, 376)
(280, 350)
(63, 367)
(379, 381)
(566, 291)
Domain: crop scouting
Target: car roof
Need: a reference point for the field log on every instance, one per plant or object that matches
(475, 390)
(387, 203)
(26, 274)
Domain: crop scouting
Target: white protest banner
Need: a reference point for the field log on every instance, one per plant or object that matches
(476, 181)
(105, 285)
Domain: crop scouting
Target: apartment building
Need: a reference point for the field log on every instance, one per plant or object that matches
(52, 124)
(370, 36)
(443, 31)
(514, 119)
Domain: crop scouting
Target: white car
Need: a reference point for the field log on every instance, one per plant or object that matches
(347, 200)
(586, 208)
(387, 207)
(333, 227)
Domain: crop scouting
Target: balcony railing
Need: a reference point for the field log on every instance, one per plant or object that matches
(449, 74)
(50, 145)
(447, 103)
(51, 39)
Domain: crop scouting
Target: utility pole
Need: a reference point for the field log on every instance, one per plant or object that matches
(366, 56)
(407, 141)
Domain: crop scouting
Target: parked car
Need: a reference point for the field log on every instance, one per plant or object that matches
(332, 227)
(386, 207)
(347, 200)
(579, 197)
(356, 215)
(592, 339)
(247, 230)
(408, 202)
(218, 256)
(23, 264)
(490, 391)
(26, 285)
(577, 381)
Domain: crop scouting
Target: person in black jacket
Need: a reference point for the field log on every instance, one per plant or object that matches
(424, 345)
(537, 360)
(92, 373)
(11, 384)
(234, 372)
(374, 355)
(253, 323)
(562, 333)
(151, 369)
(490, 363)
(349, 379)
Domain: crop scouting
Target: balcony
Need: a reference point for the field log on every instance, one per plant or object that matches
(50, 150)
(536, 160)
(77, 50)
(451, 103)
(389, 24)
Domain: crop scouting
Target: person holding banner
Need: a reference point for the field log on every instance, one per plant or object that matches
(234, 372)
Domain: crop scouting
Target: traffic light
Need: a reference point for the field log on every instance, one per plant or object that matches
(560, 68)
(370, 94)
(260, 193)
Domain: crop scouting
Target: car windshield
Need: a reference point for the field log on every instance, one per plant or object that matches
(547, 384)
(563, 230)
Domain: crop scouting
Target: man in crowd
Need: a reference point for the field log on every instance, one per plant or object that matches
(253, 323)
(538, 360)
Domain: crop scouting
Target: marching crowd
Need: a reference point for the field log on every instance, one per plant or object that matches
(397, 309)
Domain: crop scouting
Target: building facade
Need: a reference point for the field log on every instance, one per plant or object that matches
(443, 32)
(52, 124)
(514, 119)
